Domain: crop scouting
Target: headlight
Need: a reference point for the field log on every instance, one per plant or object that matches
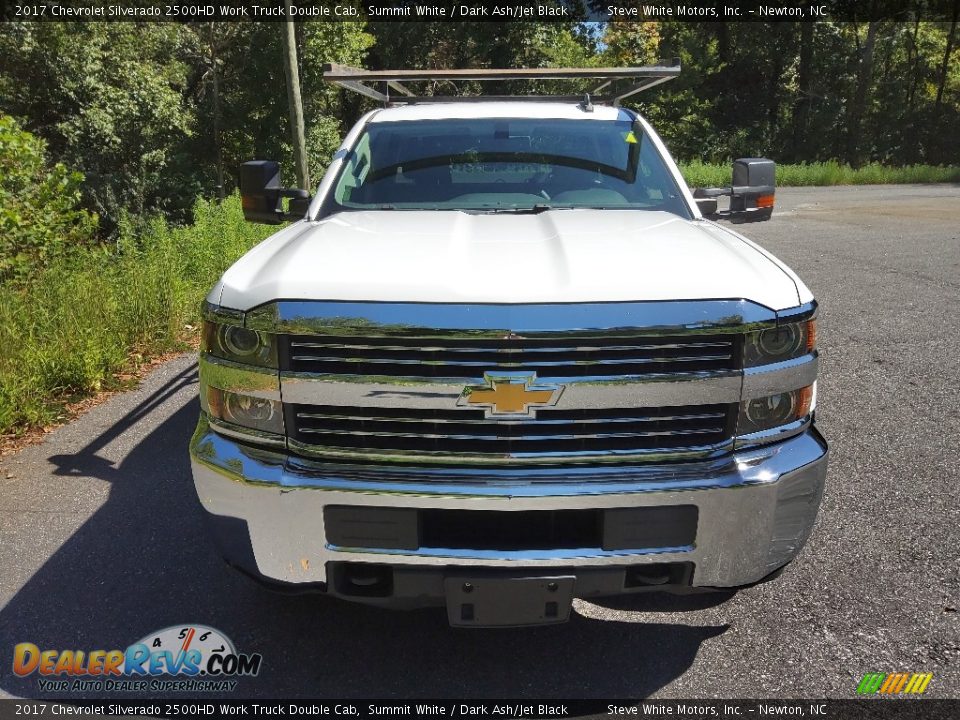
(765, 413)
(240, 341)
(245, 410)
(240, 344)
(784, 342)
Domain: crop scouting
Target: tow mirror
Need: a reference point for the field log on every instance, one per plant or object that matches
(754, 186)
(751, 192)
(707, 205)
(262, 197)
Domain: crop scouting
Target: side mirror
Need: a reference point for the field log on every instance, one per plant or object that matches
(707, 205)
(754, 187)
(262, 197)
(751, 193)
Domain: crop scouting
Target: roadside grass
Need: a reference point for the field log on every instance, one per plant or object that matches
(72, 328)
(700, 174)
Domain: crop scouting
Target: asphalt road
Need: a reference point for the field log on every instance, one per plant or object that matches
(101, 539)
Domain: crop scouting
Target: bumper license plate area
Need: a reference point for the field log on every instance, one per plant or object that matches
(497, 601)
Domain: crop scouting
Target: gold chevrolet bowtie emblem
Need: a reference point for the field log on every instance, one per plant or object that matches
(511, 395)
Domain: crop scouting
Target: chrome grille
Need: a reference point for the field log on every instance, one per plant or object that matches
(468, 358)
(564, 432)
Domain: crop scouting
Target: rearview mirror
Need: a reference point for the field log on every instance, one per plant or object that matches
(751, 192)
(262, 197)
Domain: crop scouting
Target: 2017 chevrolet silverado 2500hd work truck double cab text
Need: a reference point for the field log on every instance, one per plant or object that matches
(503, 360)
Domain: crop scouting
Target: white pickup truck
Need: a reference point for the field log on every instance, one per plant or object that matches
(502, 359)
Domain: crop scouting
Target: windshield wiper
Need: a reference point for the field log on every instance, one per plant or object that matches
(532, 210)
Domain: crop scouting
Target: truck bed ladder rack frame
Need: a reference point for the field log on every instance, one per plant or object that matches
(378, 84)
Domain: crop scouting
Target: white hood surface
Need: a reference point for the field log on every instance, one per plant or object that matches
(554, 256)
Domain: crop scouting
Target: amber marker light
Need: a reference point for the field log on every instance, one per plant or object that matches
(811, 335)
(208, 338)
(804, 399)
(215, 402)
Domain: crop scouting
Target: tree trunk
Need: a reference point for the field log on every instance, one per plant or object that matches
(801, 108)
(295, 102)
(913, 61)
(215, 73)
(773, 87)
(945, 65)
(723, 42)
(864, 75)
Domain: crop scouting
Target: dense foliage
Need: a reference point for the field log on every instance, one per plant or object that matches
(852, 92)
(154, 115)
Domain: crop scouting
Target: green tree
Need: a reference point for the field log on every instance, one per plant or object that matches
(108, 98)
(631, 43)
(423, 45)
(252, 117)
(39, 214)
(329, 112)
(803, 92)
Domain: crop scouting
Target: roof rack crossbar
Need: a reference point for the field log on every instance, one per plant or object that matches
(601, 86)
(359, 87)
(400, 88)
(640, 88)
(356, 79)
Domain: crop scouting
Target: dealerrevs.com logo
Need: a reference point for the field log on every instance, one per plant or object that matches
(187, 658)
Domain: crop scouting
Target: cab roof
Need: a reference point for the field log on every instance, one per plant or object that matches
(499, 109)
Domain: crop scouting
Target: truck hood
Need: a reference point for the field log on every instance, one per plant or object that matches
(555, 256)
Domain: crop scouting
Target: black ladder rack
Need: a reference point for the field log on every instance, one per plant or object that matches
(378, 84)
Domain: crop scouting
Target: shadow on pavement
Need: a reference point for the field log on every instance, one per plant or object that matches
(665, 602)
(143, 562)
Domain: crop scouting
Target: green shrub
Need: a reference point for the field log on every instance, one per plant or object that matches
(39, 214)
(69, 330)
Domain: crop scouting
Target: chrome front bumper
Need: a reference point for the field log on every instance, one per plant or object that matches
(756, 508)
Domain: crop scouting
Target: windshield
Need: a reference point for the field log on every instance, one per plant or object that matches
(505, 165)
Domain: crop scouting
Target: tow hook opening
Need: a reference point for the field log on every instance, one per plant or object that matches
(364, 580)
(654, 574)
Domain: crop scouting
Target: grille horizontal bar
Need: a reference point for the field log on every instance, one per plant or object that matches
(551, 431)
(547, 357)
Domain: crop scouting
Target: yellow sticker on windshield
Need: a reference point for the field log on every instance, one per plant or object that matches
(631, 138)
